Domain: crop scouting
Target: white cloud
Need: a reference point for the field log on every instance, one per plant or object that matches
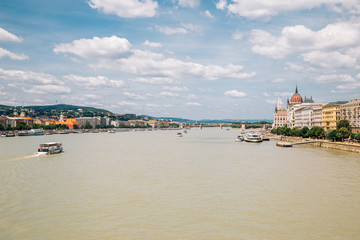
(237, 35)
(329, 60)
(189, 3)
(152, 44)
(335, 78)
(171, 31)
(168, 94)
(191, 97)
(150, 63)
(28, 76)
(298, 38)
(221, 4)
(129, 104)
(184, 29)
(5, 36)
(93, 82)
(155, 80)
(175, 89)
(193, 104)
(134, 96)
(208, 14)
(259, 9)
(13, 56)
(47, 89)
(106, 47)
(126, 9)
(235, 94)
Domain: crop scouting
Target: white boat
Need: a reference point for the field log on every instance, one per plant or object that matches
(179, 134)
(50, 148)
(111, 131)
(253, 137)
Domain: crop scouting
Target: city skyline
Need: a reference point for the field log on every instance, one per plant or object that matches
(182, 58)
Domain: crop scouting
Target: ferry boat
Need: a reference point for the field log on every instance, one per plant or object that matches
(253, 137)
(50, 148)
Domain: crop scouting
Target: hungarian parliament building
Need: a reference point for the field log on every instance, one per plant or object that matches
(301, 113)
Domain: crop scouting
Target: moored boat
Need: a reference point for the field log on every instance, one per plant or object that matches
(50, 148)
(253, 137)
(179, 134)
(239, 138)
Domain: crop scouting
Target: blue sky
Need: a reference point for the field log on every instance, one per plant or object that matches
(179, 58)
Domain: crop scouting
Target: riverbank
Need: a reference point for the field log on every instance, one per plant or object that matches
(344, 146)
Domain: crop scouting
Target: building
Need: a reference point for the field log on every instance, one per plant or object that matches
(83, 120)
(331, 115)
(292, 105)
(280, 115)
(308, 115)
(351, 112)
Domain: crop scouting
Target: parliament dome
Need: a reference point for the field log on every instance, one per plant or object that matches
(296, 98)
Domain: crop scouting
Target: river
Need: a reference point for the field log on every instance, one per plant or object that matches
(154, 185)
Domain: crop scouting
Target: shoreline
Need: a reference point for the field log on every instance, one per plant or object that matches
(344, 146)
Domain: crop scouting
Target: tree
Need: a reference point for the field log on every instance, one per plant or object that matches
(87, 125)
(344, 133)
(295, 132)
(331, 135)
(357, 136)
(343, 123)
(22, 126)
(316, 132)
(304, 131)
(76, 126)
(2, 127)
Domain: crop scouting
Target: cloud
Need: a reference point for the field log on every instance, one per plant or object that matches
(171, 31)
(221, 4)
(334, 78)
(189, 3)
(298, 38)
(208, 14)
(175, 89)
(193, 104)
(93, 82)
(169, 94)
(134, 96)
(129, 104)
(5, 36)
(152, 44)
(150, 63)
(237, 35)
(329, 60)
(155, 80)
(13, 56)
(126, 9)
(259, 9)
(235, 94)
(184, 29)
(106, 47)
(28, 76)
(47, 89)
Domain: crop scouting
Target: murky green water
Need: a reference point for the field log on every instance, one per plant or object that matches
(154, 185)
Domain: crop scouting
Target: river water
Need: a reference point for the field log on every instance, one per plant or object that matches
(154, 185)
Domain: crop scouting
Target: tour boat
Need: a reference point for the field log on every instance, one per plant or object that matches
(253, 137)
(50, 148)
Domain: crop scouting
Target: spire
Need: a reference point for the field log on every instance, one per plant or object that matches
(279, 104)
(296, 90)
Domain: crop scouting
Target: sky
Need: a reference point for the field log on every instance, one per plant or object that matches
(195, 59)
